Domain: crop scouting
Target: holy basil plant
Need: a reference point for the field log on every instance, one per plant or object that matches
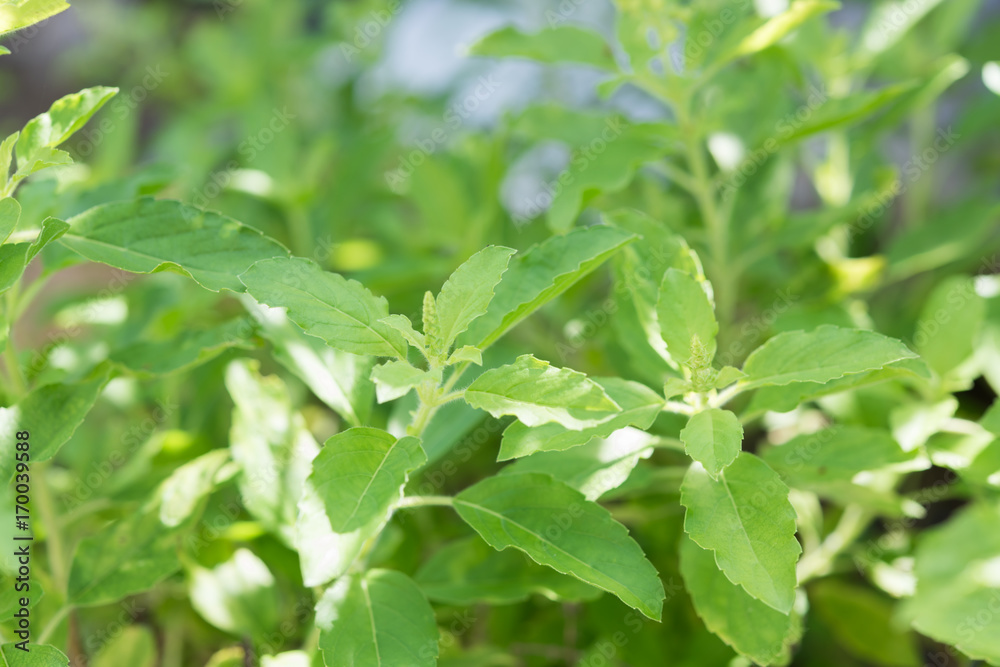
(688, 419)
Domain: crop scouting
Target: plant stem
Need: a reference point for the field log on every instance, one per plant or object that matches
(10, 352)
(716, 224)
(852, 523)
(53, 623)
(426, 501)
(47, 515)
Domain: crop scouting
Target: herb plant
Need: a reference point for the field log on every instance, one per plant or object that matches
(719, 389)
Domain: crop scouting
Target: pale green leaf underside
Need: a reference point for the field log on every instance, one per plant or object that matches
(536, 392)
(746, 519)
(149, 235)
(66, 115)
(378, 619)
(821, 355)
(558, 527)
(594, 468)
(237, 596)
(394, 379)
(326, 305)
(14, 257)
(639, 405)
(360, 473)
(10, 213)
(17, 15)
(272, 445)
(956, 568)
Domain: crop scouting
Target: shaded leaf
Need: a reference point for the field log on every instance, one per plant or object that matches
(378, 619)
(558, 527)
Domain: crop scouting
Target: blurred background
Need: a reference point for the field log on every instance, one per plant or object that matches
(361, 134)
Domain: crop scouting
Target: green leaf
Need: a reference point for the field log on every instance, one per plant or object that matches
(875, 38)
(184, 351)
(863, 622)
(402, 324)
(37, 655)
(563, 44)
(687, 319)
(640, 405)
(469, 571)
(835, 454)
(360, 475)
(180, 495)
(747, 520)
(788, 397)
(237, 596)
(64, 117)
(558, 527)
(137, 552)
(752, 628)
(592, 469)
(14, 257)
(467, 293)
(339, 379)
(777, 27)
(991, 419)
(286, 659)
(713, 438)
(948, 329)
(821, 355)
(956, 569)
(394, 379)
(466, 354)
(6, 157)
(591, 172)
(378, 619)
(52, 413)
(10, 213)
(540, 275)
(536, 392)
(133, 646)
(325, 554)
(17, 15)
(272, 445)
(149, 235)
(340, 311)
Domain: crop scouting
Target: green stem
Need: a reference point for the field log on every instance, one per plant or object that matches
(53, 535)
(53, 623)
(852, 523)
(716, 224)
(11, 362)
(426, 501)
